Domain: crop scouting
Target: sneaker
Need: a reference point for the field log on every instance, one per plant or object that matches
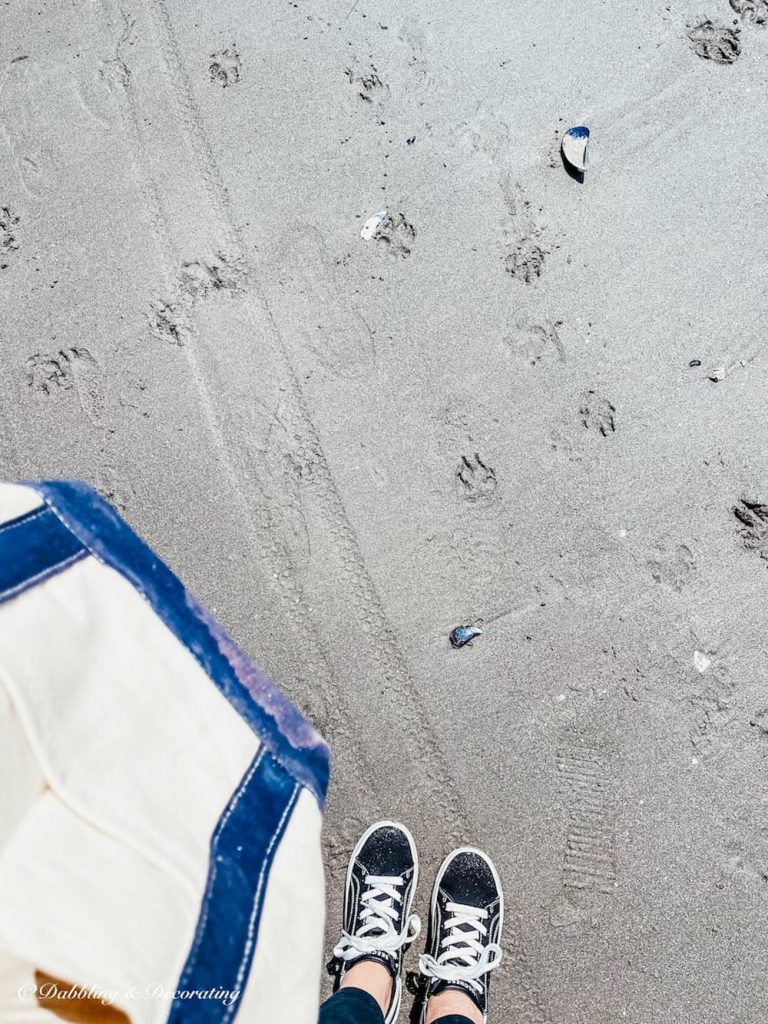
(464, 928)
(378, 923)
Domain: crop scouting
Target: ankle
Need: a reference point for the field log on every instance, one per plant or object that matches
(373, 978)
(452, 1001)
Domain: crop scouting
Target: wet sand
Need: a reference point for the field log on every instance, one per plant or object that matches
(485, 412)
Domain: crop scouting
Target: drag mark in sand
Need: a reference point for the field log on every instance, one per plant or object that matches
(752, 517)
(714, 41)
(24, 119)
(589, 857)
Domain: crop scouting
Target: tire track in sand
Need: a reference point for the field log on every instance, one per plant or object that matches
(409, 715)
(362, 805)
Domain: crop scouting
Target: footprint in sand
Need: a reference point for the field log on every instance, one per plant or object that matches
(397, 233)
(525, 261)
(368, 82)
(225, 67)
(475, 479)
(50, 375)
(752, 517)
(714, 41)
(598, 414)
(8, 240)
(754, 11)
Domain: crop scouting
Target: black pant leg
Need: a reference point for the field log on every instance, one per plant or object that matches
(351, 1006)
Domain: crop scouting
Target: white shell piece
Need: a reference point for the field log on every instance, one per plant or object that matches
(372, 224)
(575, 143)
(701, 661)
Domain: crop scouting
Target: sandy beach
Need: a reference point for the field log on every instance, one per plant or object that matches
(526, 401)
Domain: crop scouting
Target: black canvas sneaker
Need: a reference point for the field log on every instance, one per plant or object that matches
(378, 923)
(465, 923)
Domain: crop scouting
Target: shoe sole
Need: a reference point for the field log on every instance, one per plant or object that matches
(397, 993)
(433, 902)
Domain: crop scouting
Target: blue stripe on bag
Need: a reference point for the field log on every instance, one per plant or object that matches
(32, 548)
(242, 850)
(279, 725)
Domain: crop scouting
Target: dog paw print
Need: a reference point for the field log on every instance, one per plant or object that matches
(8, 241)
(368, 82)
(224, 67)
(715, 42)
(396, 232)
(525, 262)
(475, 479)
(598, 414)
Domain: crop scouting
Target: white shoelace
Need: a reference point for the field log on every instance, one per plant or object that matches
(377, 932)
(464, 957)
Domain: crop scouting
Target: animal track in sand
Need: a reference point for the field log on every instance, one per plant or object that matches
(755, 11)
(759, 722)
(752, 517)
(673, 567)
(224, 67)
(397, 233)
(598, 414)
(8, 241)
(50, 374)
(713, 713)
(525, 261)
(197, 280)
(47, 374)
(475, 480)
(715, 41)
(368, 83)
(536, 343)
(168, 322)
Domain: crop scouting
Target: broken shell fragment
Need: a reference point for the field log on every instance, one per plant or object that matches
(371, 226)
(574, 147)
(462, 635)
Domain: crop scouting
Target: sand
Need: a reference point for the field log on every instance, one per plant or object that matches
(486, 412)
